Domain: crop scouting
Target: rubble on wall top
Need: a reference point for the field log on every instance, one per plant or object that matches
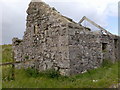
(38, 6)
(41, 6)
(36, 1)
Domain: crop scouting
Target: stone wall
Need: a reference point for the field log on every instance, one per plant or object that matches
(55, 41)
(45, 39)
(111, 51)
(85, 51)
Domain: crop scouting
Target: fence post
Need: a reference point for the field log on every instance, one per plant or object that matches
(13, 66)
(13, 71)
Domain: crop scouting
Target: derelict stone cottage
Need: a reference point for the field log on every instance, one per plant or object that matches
(54, 41)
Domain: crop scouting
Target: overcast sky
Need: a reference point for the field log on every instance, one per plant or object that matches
(13, 14)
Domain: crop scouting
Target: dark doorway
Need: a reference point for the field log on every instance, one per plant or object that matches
(115, 42)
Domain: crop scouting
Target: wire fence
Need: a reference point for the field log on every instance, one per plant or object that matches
(8, 69)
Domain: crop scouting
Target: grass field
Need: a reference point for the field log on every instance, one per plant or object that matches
(102, 77)
(6, 53)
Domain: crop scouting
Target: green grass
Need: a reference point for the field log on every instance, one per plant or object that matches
(106, 76)
(7, 53)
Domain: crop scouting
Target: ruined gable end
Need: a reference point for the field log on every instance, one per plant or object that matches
(54, 41)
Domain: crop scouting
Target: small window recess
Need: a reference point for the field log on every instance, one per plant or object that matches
(36, 29)
(104, 47)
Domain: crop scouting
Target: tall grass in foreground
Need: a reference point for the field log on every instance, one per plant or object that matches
(102, 77)
(7, 53)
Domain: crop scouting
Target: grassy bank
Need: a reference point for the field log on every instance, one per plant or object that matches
(102, 77)
(7, 53)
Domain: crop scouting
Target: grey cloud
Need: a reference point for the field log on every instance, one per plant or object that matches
(13, 21)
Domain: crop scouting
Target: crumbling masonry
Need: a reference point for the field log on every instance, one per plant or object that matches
(54, 41)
